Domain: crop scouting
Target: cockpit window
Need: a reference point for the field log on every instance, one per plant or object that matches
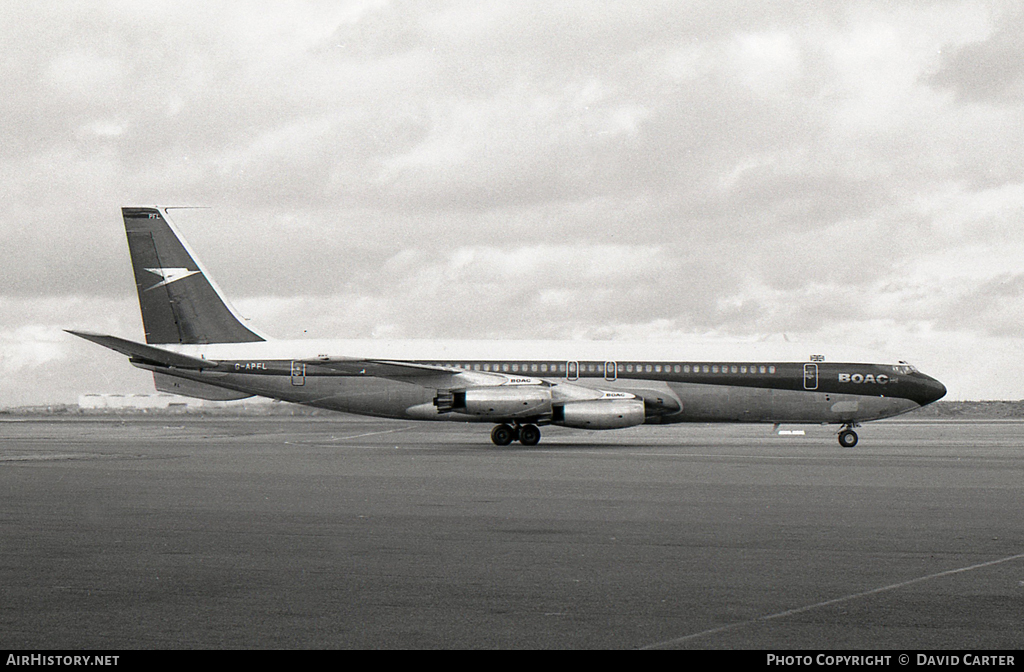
(904, 368)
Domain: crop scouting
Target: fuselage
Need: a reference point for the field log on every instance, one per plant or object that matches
(744, 382)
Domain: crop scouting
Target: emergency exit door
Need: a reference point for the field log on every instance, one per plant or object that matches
(810, 376)
(298, 374)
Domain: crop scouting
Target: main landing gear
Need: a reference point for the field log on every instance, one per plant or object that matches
(848, 437)
(528, 435)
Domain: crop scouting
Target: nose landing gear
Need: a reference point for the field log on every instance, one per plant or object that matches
(847, 437)
(528, 435)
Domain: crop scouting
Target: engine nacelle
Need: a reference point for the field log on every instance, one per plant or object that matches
(600, 414)
(498, 402)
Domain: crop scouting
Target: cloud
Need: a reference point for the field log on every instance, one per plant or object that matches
(486, 169)
(989, 70)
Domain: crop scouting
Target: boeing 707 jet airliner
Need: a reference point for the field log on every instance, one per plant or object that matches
(197, 345)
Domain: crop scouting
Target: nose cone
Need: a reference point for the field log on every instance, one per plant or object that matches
(929, 390)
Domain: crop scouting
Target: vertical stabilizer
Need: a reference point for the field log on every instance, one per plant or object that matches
(179, 302)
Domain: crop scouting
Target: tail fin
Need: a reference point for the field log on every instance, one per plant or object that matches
(179, 301)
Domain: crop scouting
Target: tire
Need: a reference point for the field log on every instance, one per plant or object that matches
(529, 435)
(502, 435)
(848, 438)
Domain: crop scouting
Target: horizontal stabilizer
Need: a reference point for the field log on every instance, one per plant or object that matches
(145, 353)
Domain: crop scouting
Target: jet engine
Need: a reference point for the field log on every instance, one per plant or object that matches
(499, 402)
(600, 413)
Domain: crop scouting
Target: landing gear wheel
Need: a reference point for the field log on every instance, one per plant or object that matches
(848, 438)
(529, 435)
(502, 435)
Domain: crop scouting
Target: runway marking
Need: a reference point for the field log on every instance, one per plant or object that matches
(838, 600)
(359, 436)
(51, 457)
(320, 442)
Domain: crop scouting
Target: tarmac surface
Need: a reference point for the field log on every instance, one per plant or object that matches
(333, 532)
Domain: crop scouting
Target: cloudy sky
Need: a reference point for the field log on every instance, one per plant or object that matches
(844, 173)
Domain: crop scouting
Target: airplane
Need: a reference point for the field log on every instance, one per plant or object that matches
(198, 346)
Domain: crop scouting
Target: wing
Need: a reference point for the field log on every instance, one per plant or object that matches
(425, 375)
(453, 378)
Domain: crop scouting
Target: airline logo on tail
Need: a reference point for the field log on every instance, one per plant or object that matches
(169, 275)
